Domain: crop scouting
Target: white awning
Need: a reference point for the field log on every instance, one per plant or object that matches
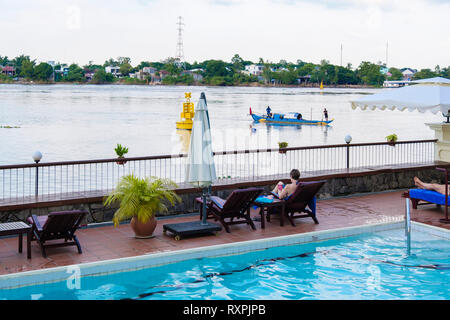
(426, 95)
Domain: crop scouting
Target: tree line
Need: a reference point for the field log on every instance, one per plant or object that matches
(215, 72)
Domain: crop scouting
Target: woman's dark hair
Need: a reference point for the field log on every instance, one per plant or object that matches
(295, 174)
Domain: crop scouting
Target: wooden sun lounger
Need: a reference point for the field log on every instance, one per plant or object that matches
(57, 226)
(302, 203)
(236, 208)
(422, 197)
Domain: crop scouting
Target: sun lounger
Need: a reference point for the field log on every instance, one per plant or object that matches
(57, 226)
(422, 196)
(236, 208)
(302, 203)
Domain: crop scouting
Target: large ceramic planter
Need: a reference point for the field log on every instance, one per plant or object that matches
(143, 230)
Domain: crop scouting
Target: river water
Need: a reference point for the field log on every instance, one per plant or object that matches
(80, 122)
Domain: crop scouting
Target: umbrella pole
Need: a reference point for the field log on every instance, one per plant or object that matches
(204, 192)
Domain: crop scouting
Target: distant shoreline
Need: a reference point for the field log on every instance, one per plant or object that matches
(312, 85)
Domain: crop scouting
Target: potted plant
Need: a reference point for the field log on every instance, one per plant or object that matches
(391, 139)
(282, 145)
(139, 200)
(120, 151)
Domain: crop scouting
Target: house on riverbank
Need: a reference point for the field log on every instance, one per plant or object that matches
(113, 70)
(8, 71)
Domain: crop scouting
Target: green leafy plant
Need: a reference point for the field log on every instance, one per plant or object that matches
(121, 150)
(141, 198)
(392, 138)
(282, 145)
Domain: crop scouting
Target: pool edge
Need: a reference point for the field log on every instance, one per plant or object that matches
(104, 267)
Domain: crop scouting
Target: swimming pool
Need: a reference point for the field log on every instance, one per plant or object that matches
(352, 263)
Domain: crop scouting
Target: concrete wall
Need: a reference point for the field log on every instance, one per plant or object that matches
(333, 188)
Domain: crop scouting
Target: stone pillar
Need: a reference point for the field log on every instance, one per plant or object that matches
(442, 133)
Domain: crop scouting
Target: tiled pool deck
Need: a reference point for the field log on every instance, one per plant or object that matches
(107, 242)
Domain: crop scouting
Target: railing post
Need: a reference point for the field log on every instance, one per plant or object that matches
(348, 139)
(37, 156)
(36, 187)
(348, 157)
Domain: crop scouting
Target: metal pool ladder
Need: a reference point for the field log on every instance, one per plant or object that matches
(408, 226)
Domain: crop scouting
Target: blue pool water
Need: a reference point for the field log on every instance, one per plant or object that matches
(370, 266)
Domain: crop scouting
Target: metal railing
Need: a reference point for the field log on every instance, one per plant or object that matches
(26, 180)
(408, 226)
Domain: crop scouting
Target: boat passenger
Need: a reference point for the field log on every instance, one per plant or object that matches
(282, 191)
(299, 116)
(269, 114)
(325, 113)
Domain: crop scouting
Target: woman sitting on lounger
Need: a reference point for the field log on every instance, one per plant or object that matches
(430, 186)
(283, 191)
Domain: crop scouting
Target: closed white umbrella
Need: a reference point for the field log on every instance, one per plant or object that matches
(200, 170)
(431, 95)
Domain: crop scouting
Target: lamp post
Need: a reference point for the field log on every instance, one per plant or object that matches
(348, 139)
(37, 156)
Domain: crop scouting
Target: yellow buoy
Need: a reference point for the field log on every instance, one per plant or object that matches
(188, 113)
(321, 85)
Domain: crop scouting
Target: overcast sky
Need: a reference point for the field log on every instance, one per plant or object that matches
(417, 31)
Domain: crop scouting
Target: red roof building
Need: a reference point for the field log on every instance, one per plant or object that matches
(8, 70)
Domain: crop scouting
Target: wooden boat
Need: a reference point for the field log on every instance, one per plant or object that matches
(289, 119)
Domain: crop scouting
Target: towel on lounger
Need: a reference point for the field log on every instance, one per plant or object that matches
(428, 195)
(264, 199)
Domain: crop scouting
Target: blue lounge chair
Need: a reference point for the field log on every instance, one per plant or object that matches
(422, 196)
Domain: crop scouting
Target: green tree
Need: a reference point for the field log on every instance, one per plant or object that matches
(216, 68)
(370, 74)
(267, 73)
(445, 72)
(43, 71)
(306, 69)
(217, 81)
(125, 69)
(4, 61)
(18, 61)
(27, 69)
(92, 67)
(111, 62)
(283, 63)
(238, 62)
(424, 74)
(396, 74)
(75, 73)
(172, 69)
(437, 70)
(101, 76)
(143, 64)
(288, 77)
(345, 76)
(123, 60)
